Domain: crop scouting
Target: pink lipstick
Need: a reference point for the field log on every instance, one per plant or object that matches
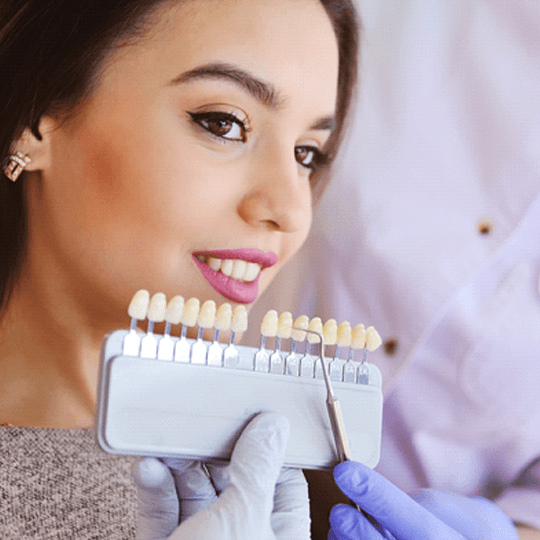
(231, 272)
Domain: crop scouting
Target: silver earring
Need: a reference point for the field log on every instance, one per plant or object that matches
(16, 164)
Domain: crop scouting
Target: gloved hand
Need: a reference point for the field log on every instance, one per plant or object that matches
(250, 498)
(428, 515)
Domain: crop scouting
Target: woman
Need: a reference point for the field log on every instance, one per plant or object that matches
(138, 135)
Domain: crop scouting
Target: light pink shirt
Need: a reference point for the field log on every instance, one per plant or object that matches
(446, 142)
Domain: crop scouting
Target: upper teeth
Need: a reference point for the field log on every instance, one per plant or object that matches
(235, 268)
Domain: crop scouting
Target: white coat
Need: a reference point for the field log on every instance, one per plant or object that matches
(431, 232)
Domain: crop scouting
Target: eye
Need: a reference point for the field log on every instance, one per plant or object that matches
(221, 124)
(308, 156)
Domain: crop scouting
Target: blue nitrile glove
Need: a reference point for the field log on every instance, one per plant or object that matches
(428, 515)
(250, 498)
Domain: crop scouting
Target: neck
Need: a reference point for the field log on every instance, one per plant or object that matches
(50, 362)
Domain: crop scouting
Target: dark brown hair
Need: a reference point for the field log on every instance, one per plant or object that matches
(51, 52)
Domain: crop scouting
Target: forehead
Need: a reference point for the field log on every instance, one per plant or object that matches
(281, 41)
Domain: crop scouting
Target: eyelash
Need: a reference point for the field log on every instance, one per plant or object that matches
(205, 119)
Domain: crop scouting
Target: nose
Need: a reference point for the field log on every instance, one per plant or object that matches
(279, 192)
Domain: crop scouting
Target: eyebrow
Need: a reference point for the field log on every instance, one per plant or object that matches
(264, 92)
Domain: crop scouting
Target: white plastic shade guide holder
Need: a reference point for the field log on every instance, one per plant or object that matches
(196, 406)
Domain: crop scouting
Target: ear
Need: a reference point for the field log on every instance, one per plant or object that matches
(38, 149)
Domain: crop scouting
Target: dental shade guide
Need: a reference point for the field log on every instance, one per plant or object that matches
(307, 362)
(292, 361)
(206, 319)
(284, 331)
(190, 314)
(137, 310)
(329, 332)
(222, 323)
(173, 316)
(373, 341)
(169, 395)
(156, 314)
(231, 356)
(269, 328)
(358, 341)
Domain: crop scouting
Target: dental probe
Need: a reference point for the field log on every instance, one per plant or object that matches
(334, 409)
(334, 412)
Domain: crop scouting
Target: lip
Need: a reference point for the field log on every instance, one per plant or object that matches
(253, 255)
(243, 293)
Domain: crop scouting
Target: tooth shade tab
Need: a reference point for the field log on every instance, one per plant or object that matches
(175, 308)
(358, 337)
(301, 322)
(344, 334)
(191, 312)
(315, 325)
(223, 317)
(239, 319)
(138, 307)
(207, 315)
(284, 327)
(269, 324)
(373, 339)
(330, 332)
(158, 307)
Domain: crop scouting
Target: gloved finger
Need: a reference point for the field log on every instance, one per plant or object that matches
(193, 485)
(257, 457)
(290, 517)
(348, 524)
(248, 483)
(390, 506)
(157, 499)
(474, 517)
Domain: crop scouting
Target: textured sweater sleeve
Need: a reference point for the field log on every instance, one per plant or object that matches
(58, 484)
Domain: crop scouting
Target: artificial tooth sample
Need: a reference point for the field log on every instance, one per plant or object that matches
(173, 315)
(284, 331)
(358, 337)
(190, 314)
(307, 363)
(156, 314)
(239, 323)
(343, 339)
(222, 324)
(269, 326)
(373, 339)
(358, 341)
(205, 319)
(292, 362)
(372, 342)
(329, 333)
(137, 310)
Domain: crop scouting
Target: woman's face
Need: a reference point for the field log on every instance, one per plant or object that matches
(196, 146)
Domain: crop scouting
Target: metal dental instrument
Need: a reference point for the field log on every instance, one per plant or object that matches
(334, 409)
(334, 412)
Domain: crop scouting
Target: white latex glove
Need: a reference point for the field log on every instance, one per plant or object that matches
(250, 498)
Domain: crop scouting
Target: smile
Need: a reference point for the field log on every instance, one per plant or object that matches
(234, 268)
(234, 273)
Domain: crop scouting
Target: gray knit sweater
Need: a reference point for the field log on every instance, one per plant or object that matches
(57, 483)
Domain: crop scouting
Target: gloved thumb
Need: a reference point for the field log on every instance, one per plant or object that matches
(247, 485)
(157, 499)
